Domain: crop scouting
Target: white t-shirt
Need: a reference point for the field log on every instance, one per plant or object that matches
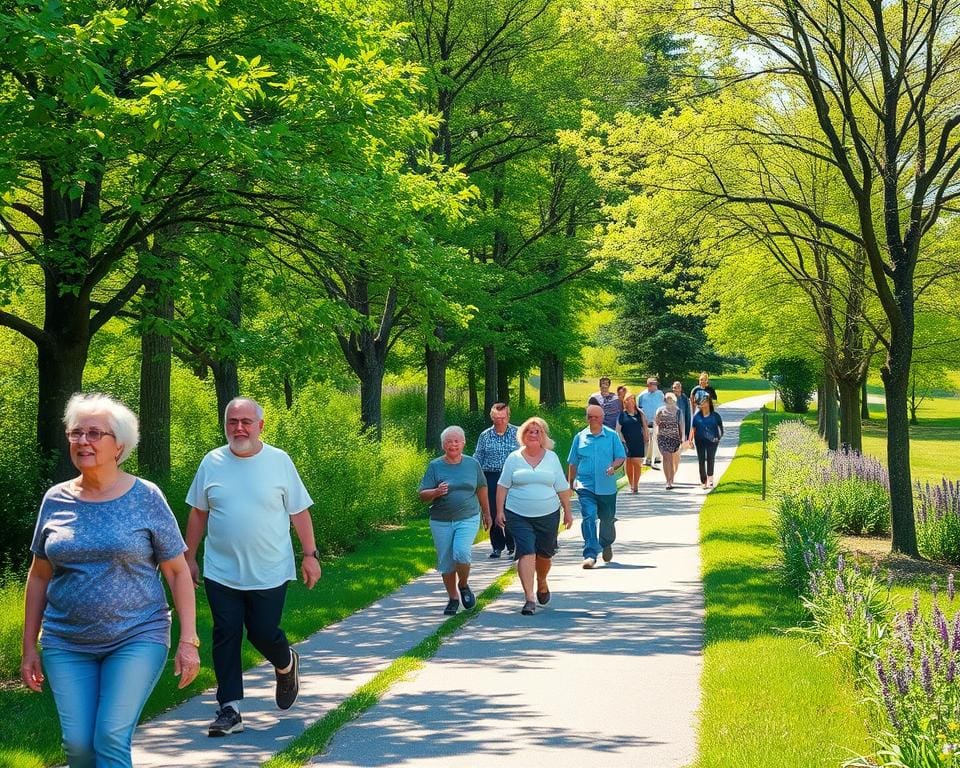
(249, 501)
(533, 490)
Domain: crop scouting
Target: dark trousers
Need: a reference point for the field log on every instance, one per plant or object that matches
(706, 453)
(499, 539)
(258, 610)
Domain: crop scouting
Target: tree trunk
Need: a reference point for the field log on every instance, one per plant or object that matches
(371, 398)
(864, 401)
(155, 366)
(551, 381)
(287, 391)
(821, 408)
(503, 384)
(436, 361)
(472, 389)
(60, 365)
(522, 390)
(895, 373)
(489, 377)
(851, 432)
(226, 381)
(831, 414)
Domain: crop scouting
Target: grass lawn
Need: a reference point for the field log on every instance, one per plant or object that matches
(768, 699)
(30, 730)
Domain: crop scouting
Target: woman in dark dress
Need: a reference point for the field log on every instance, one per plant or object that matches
(632, 427)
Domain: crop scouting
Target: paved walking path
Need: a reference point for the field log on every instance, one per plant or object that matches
(608, 671)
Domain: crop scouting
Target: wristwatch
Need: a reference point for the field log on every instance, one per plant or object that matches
(194, 641)
(315, 555)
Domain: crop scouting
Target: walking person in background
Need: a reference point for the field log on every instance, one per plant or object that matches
(706, 433)
(702, 390)
(245, 496)
(493, 446)
(595, 455)
(531, 492)
(622, 395)
(456, 490)
(650, 401)
(683, 403)
(632, 426)
(608, 401)
(99, 543)
(670, 434)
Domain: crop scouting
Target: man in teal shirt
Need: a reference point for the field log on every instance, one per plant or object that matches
(595, 455)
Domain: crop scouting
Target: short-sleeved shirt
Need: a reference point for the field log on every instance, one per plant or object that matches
(592, 455)
(708, 428)
(631, 427)
(532, 491)
(463, 481)
(492, 449)
(105, 590)
(249, 501)
(611, 408)
(651, 402)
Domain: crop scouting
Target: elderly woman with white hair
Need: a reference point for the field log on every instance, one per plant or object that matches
(456, 489)
(94, 589)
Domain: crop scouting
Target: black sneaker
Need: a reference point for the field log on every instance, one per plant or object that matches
(607, 553)
(467, 598)
(228, 721)
(288, 683)
(452, 607)
(495, 554)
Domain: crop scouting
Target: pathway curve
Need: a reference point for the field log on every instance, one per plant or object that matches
(609, 671)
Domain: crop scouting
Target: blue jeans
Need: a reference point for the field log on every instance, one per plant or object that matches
(594, 507)
(99, 698)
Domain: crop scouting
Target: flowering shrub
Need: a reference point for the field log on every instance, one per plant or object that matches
(850, 612)
(938, 521)
(858, 489)
(806, 536)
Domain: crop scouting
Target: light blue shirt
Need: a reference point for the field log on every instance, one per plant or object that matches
(592, 455)
(650, 402)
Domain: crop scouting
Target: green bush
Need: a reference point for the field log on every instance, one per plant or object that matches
(806, 538)
(357, 483)
(795, 379)
(860, 508)
(938, 520)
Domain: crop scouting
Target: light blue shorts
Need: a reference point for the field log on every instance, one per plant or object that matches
(454, 541)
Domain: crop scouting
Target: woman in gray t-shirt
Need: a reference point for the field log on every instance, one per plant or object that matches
(456, 489)
(94, 588)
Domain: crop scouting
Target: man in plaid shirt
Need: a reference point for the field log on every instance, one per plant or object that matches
(493, 446)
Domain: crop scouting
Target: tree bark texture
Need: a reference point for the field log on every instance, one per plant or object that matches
(155, 367)
(436, 361)
(490, 377)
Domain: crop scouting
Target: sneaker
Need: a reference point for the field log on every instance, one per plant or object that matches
(228, 721)
(588, 563)
(607, 553)
(495, 554)
(467, 597)
(452, 607)
(288, 683)
(510, 551)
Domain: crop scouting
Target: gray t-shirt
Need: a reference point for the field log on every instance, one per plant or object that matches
(464, 480)
(105, 589)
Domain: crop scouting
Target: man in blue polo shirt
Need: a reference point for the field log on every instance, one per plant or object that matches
(595, 455)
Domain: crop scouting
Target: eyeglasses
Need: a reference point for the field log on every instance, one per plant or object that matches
(93, 435)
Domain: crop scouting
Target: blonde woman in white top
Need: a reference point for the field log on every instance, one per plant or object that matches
(531, 492)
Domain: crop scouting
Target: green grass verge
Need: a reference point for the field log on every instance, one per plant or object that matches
(30, 730)
(768, 698)
(317, 737)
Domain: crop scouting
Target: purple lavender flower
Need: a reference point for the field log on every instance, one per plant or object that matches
(821, 551)
(839, 564)
(926, 673)
(839, 585)
(934, 589)
(951, 670)
(955, 645)
(950, 588)
(889, 580)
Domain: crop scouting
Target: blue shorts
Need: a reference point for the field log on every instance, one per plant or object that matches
(454, 541)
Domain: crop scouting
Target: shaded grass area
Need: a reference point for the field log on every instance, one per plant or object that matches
(318, 736)
(30, 730)
(768, 699)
